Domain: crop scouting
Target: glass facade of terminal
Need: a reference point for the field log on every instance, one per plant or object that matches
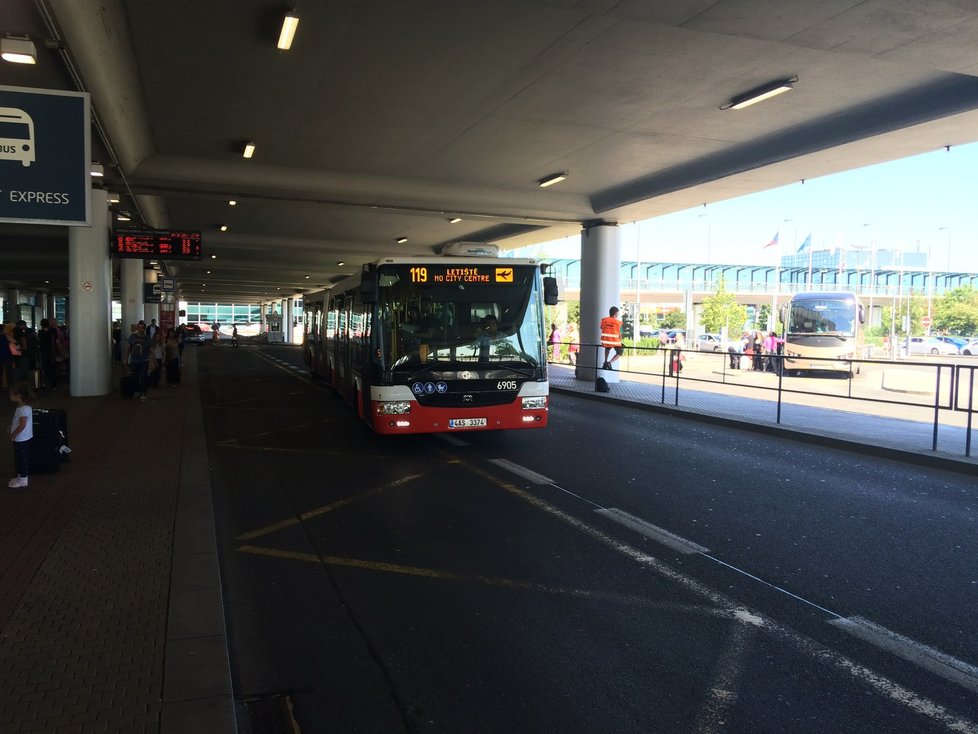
(880, 272)
(223, 313)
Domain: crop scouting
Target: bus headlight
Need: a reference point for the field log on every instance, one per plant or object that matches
(399, 407)
(535, 403)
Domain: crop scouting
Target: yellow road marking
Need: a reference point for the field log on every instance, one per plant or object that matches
(327, 508)
(493, 581)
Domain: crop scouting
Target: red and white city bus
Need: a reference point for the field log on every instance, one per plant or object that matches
(439, 344)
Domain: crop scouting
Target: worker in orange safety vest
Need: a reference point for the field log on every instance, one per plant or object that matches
(611, 337)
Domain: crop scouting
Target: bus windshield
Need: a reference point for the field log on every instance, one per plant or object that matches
(476, 316)
(822, 316)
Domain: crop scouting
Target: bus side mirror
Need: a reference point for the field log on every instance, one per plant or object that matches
(862, 315)
(550, 291)
(368, 286)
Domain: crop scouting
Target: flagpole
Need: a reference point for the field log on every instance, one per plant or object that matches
(777, 283)
(810, 248)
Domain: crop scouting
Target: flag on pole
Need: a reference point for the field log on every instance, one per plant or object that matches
(774, 240)
(806, 244)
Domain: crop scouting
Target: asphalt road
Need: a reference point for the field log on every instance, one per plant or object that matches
(620, 571)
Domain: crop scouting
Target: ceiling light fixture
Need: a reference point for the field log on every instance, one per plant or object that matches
(223, 228)
(18, 50)
(113, 198)
(122, 217)
(289, 24)
(249, 150)
(455, 220)
(401, 240)
(213, 257)
(551, 179)
(340, 263)
(232, 202)
(98, 171)
(759, 94)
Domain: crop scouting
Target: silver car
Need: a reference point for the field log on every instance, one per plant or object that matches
(931, 345)
(709, 343)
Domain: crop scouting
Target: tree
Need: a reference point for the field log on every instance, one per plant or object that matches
(673, 320)
(721, 311)
(918, 309)
(957, 311)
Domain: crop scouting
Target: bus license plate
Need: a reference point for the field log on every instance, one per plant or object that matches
(467, 423)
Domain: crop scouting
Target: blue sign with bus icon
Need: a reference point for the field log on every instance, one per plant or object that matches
(16, 136)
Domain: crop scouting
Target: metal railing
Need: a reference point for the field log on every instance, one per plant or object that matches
(918, 404)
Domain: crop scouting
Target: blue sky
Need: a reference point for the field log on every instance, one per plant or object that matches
(927, 203)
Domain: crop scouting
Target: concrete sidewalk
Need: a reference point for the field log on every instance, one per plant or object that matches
(111, 616)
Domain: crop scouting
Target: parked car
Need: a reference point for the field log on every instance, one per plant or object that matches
(651, 332)
(932, 345)
(709, 343)
(971, 348)
(958, 341)
(193, 334)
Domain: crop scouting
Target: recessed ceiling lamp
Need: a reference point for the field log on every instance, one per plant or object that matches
(113, 198)
(18, 50)
(307, 277)
(249, 150)
(98, 171)
(122, 217)
(759, 94)
(289, 25)
(455, 220)
(232, 202)
(340, 263)
(223, 228)
(401, 240)
(551, 179)
(213, 257)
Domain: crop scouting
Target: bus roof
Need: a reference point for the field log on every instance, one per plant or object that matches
(427, 260)
(820, 295)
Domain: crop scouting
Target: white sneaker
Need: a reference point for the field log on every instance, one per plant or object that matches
(17, 482)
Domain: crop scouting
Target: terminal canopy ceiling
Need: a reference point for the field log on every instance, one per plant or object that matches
(390, 119)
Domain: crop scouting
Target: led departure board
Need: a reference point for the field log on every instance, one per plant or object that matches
(156, 243)
(468, 275)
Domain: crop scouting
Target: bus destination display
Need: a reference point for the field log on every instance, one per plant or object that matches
(152, 243)
(468, 275)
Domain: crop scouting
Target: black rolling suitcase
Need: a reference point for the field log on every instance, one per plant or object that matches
(49, 447)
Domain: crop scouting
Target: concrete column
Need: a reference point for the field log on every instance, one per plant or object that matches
(90, 307)
(151, 310)
(287, 320)
(131, 293)
(600, 289)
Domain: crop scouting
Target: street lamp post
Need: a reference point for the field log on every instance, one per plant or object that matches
(948, 230)
(872, 273)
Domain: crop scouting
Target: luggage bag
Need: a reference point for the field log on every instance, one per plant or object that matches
(49, 446)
